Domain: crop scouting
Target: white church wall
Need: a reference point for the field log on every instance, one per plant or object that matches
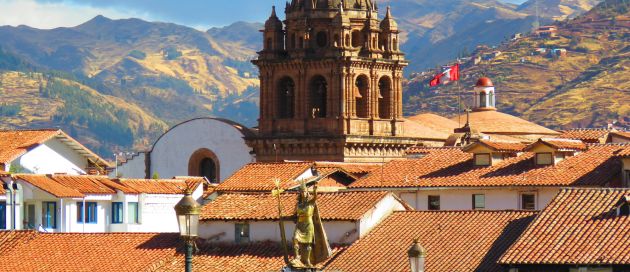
(172, 152)
(132, 168)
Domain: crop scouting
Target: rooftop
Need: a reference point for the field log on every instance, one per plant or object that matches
(494, 122)
(579, 226)
(455, 241)
(588, 135)
(261, 176)
(15, 143)
(451, 167)
(333, 206)
(499, 146)
(562, 144)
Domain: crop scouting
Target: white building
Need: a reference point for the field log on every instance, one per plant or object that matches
(208, 147)
(65, 203)
(491, 175)
(245, 218)
(46, 151)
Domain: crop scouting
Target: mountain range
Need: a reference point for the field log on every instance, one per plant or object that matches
(138, 78)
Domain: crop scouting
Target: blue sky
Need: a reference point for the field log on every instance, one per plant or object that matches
(200, 14)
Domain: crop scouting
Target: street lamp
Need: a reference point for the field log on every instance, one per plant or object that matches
(188, 210)
(417, 255)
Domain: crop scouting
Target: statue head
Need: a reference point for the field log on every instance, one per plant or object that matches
(303, 192)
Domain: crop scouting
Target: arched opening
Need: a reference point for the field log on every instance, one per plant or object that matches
(395, 44)
(286, 98)
(301, 43)
(361, 95)
(356, 38)
(482, 99)
(347, 40)
(385, 98)
(293, 41)
(204, 163)
(337, 42)
(491, 98)
(374, 43)
(318, 91)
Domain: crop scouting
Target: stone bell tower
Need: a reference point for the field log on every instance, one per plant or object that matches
(331, 84)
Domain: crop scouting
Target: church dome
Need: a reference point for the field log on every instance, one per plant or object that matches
(484, 82)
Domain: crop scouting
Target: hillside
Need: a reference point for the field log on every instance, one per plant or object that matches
(131, 66)
(586, 88)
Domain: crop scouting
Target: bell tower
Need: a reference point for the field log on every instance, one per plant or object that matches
(331, 84)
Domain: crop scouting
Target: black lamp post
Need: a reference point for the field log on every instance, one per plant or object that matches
(188, 211)
(417, 255)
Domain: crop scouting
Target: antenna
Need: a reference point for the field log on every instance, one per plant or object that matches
(537, 22)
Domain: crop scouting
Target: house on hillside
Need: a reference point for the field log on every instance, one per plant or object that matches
(549, 31)
(69, 203)
(47, 151)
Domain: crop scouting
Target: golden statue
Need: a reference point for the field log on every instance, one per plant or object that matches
(310, 244)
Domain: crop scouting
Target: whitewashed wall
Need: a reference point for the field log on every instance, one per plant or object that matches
(172, 152)
(53, 157)
(132, 168)
(382, 210)
(461, 198)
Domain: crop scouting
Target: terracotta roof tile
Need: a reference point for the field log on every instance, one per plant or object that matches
(622, 134)
(93, 185)
(356, 169)
(450, 167)
(499, 146)
(495, 122)
(420, 130)
(261, 176)
(437, 122)
(89, 252)
(624, 152)
(50, 186)
(158, 186)
(455, 241)
(213, 257)
(333, 206)
(14, 143)
(579, 226)
(588, 135)
(9, 240)
(561, 144)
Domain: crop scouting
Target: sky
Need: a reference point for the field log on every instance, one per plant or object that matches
(200, 14)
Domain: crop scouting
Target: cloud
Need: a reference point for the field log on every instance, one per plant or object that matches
(56, 14)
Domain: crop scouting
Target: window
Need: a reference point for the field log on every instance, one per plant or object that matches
(322, 39)
(242, 233)
(132, 213)
(434, 202)
(30, 210)
(528, 201)
(318, 93)
(544, 158)
(479, 201)
(482, 100)
(384, 101)
(90, 210)
(3, 215)
(49, 215)
(482, 159)
(117, 212)
(626, 178)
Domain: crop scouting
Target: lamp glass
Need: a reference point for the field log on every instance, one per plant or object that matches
(188, 225)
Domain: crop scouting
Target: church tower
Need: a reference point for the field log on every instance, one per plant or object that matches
(331, 84)
(484, 98)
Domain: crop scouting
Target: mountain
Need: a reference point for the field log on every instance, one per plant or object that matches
(169, 72)
(243, 33)
(557, 9)
(586, 88)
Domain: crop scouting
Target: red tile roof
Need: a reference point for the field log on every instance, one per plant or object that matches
(50, 186)
(15, 143)
(495, 122)
(213, 257)
(450, 167)
(9, 240)
(498, 146)
(588, 135)
(625, 152)
(622, 134)
(333, 206)
(88, 252)
(454, 241)
(261, 176)
(159, 186)
(356, 169)
(92, 185)
(561, 144)
(579, 226)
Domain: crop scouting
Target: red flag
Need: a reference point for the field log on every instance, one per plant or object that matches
(436, 80)
(454, 72)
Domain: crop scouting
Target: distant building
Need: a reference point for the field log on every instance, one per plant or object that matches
(549, 31)
(47, 151)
